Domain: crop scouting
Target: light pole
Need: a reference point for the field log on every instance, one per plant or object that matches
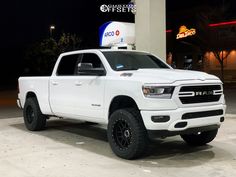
(52, 28)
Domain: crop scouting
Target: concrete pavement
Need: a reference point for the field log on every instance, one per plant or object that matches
(70, 148)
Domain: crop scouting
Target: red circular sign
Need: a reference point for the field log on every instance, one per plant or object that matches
(117, 32)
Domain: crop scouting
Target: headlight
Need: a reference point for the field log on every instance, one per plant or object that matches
(158, 92)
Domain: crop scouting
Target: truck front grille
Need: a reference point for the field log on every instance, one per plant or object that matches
(200, 94)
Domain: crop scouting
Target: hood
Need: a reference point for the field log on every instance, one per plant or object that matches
(168, 75)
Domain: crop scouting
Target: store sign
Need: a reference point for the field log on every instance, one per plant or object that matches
(185, 32)
(116, 33)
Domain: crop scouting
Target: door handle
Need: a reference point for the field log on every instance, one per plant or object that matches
(54, 83)
(78, 83)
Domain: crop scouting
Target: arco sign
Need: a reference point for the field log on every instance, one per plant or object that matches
(116, 33)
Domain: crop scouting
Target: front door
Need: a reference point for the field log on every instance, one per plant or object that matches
(90, 98)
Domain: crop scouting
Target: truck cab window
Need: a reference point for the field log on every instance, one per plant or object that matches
(67, 65)
(90, 61)
(93, 59)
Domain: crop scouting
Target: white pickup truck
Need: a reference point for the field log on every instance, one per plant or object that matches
(134, 93)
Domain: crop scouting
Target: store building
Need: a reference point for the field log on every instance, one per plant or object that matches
(210, 49)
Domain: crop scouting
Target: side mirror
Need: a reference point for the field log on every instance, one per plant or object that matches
(87, 69)
(83, 66)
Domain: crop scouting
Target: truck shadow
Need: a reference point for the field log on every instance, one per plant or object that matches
(171, 152)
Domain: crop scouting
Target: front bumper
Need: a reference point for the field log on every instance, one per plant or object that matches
(176, 117)
(165, 133)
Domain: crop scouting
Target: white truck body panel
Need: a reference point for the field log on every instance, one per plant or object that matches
(39, 86)
(70, 96)
(89, 97)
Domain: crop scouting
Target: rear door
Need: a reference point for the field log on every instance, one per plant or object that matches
(62, 86)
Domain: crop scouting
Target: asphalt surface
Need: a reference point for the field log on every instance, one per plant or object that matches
(8, 107)
(230, 97)
(7, 112)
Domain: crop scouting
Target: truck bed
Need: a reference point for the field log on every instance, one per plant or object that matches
(38, 85)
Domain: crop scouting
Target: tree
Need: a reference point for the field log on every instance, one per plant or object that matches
(221, 56)
(69, 42)
(214, 38)
(41, 56)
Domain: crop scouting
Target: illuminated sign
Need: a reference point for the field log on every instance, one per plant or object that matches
(185, 32)
(116, 33)
(112, 33)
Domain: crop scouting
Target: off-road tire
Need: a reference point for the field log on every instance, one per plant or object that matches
(33, 117)
(127, 134)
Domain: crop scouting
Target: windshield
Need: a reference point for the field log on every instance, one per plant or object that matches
(126, 60)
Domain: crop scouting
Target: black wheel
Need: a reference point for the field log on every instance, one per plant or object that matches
(126, 133)
(33, 118)
(200, 138)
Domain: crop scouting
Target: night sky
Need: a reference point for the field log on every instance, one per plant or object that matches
(24, 22)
